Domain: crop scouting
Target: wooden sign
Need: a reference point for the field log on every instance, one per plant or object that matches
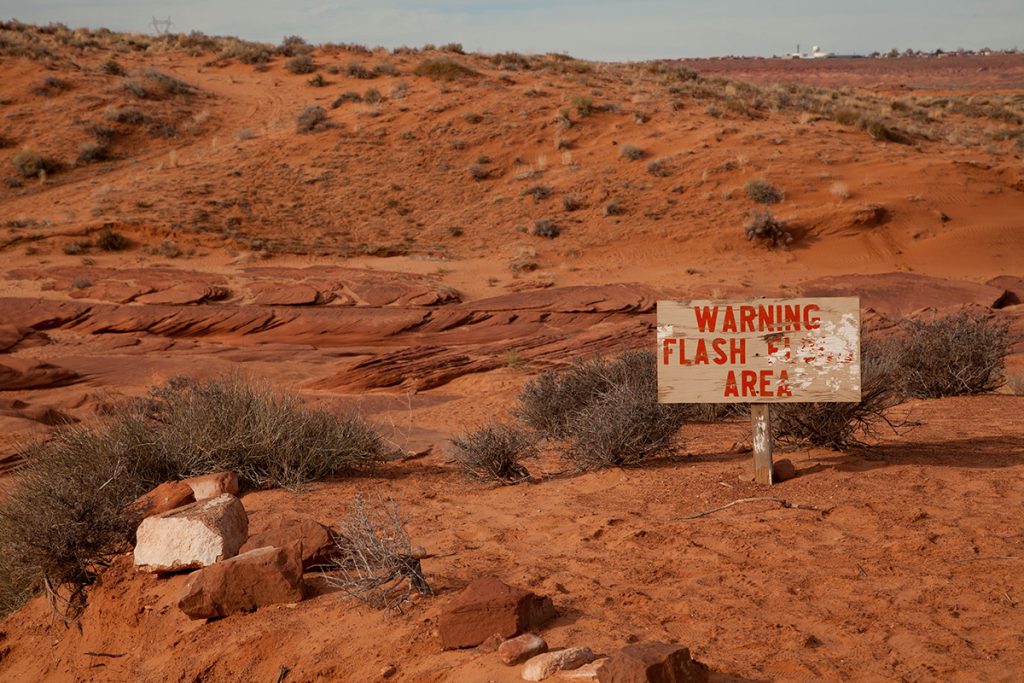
(759, 351)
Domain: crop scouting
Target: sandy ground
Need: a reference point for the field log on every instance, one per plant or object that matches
(361, 266)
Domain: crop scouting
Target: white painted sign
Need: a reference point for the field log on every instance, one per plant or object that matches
(759, 350)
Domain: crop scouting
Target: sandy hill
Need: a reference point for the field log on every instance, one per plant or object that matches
(417, 232)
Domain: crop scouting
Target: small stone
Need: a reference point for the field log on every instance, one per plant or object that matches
(163, 498)
(546, 665)
(196, 535)
(652, 663)
(388, 671)
(209, 486)
(784, 470)
(516, 650)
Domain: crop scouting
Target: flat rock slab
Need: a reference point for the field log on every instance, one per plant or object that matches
(260, 577)
(652, 663)
(185, 294)
(488, 606)
(548, 664)
(208, 486)
(166, 497)
(517, 650)
(193, 536)
(27, 373)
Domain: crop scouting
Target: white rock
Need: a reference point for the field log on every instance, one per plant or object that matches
(543, 666)
(193, 536)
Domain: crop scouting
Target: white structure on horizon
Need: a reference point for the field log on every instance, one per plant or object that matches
(816, 53)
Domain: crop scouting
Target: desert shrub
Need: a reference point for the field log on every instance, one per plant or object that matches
(373, 559)
(357, 70)
(129, 115)
(300, 64)
(767, 229)
(472, 117)
(317, 81)
(91, 152)
(964, 353)
(538, 192)
(444, 69)
(659, 168)
(607, 411)
(311, 118)
(51, 85)
(544, 227)
(584, 105)
(293, 45)
(844, 425)
(165, 85)
(571, 202)
(29, 164)
(112, 67)
(510, 60)
(248, 53)
(631, 152)
(109, 240)
(344, 97)
(613, 208)
(880, 131)
(385, 69)
(372, 96)
(761, 191)
(624, 426)
(478, 171)
(494, 452)
(453, 47)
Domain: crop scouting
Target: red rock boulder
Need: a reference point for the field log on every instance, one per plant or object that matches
(314, 539)
(488, 606)
(208, 486)
(244, 583)
(652, 663)
(164, 498)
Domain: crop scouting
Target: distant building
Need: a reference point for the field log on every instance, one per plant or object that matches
(816, 53)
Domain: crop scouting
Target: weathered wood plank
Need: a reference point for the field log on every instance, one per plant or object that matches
(759, 350)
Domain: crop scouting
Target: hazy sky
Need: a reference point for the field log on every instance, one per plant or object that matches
(594, 29)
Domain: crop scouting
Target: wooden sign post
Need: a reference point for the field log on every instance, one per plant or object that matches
(759, 351)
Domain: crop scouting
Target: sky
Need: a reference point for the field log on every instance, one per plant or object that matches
(591, 29)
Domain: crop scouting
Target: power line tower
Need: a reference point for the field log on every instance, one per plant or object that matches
(162, 26)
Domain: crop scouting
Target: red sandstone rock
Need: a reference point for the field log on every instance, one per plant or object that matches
(516, 650)
(244, 583)
(784, 470)
(652, 663)
(488, 606)
(165, 497)
(313, 538)
(208, 486)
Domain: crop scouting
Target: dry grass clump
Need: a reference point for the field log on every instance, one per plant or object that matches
(544, 227)
(839, 190)
(50, 86)
(312, 118)
(31, 164)
(606, 411)
(65, 515)
(761, 191)
(964, 353)
(112, 67)
(373, 559)
(659, 168)
(92, 152)
(494, 452)
(478, 171)
(767, 229)
(845, 425)
(444, 69)
(109, 240)
(631, 152)
(300, 64)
